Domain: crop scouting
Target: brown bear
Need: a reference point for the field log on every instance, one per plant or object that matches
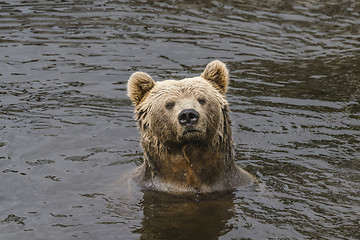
(186, 133)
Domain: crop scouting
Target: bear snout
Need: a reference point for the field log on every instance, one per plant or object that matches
(188, 117)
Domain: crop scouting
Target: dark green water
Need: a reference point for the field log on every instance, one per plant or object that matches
(68, 140)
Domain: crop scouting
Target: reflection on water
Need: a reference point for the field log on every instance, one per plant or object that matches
(186, 217)
(67, 133)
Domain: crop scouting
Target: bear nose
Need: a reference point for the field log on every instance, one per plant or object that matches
(188, 117)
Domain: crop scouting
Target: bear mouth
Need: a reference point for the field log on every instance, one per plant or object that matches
(191, 134)
(190, 130)
(187, 131)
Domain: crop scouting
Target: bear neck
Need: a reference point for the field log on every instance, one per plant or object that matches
(192, 166)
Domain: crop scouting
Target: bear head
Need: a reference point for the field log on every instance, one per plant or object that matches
(175, 113)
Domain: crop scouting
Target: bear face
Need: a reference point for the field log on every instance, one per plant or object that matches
(184, 112)
(185, 131)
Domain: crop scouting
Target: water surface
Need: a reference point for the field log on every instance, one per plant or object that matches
(68, 140)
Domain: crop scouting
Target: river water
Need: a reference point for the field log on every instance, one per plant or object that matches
(68, 140)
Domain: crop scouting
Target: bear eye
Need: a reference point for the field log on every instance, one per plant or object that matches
(169, 105)
(202, 101)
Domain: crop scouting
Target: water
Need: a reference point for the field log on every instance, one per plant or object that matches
(68, 141)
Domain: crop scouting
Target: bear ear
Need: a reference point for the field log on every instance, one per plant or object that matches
(138, 85)
(217, 73)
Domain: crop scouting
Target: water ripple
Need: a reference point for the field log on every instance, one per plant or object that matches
(67, 129)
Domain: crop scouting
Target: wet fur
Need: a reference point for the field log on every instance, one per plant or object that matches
(198, 164)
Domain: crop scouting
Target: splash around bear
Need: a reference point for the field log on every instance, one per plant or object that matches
(186, 133)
